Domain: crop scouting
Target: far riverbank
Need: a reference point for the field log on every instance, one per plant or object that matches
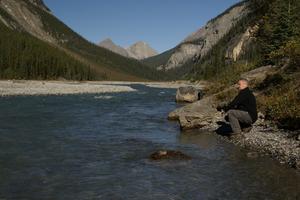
(32, 87)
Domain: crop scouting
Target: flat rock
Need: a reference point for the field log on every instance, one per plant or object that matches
(196, 115)
(258, 75)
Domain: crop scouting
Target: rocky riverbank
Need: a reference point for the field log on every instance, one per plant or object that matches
(263, 137)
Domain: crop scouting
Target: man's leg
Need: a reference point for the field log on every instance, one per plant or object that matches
(236, 117)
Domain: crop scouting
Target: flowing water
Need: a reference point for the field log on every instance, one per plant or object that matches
(97, 146)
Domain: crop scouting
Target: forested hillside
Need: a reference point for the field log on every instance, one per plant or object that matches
(48, 49)
(25, 57)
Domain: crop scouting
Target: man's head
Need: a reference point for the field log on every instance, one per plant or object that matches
(242, 83)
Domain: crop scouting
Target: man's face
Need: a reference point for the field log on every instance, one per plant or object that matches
(242, 85)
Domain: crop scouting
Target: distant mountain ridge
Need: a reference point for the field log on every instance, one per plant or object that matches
(139, 50)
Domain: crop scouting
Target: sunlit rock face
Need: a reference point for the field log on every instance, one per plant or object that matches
(141, 50)
(25, 18)
(200, 42)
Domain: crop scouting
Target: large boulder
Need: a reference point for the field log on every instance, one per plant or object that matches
(188, 94)
(199, 114)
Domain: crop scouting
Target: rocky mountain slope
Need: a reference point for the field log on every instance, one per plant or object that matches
(24, 18)
(199, 43)
(40, 4)
(139, 50)
(34, 18)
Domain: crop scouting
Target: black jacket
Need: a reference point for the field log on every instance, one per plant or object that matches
(245, 101)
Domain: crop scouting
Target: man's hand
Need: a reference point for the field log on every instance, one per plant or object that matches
(222, 106)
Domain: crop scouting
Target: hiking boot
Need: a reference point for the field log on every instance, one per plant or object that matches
(235, 134)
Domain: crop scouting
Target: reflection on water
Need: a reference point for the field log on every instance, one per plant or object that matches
(103, 97)
(81, 147)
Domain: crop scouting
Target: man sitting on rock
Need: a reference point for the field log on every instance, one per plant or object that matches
(242, 110)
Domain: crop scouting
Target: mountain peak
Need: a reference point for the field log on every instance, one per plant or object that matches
(106, 41)
(141, 50)
(40, 4)
(140, 43)
(110, 45)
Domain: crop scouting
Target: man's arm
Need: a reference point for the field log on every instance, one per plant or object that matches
(234, 103)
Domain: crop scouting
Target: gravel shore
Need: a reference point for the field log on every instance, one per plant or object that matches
(11, 88)
(28, 87)
(265, 138)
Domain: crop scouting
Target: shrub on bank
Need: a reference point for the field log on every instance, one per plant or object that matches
(281, 105)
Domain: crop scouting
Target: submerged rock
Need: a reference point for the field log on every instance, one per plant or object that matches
(188, 94)
(169, 155)
(252, 155)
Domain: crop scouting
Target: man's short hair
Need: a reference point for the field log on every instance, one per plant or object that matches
(245, 80)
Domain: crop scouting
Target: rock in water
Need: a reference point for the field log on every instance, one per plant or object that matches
(188, 94)
(169, 155)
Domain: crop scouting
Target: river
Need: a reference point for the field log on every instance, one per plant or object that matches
(96, 146)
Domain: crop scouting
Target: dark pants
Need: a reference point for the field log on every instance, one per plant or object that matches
(238, 117)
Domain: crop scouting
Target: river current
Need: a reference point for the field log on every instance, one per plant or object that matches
(96, 146)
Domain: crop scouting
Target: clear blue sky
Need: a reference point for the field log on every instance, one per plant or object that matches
(160, 23)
